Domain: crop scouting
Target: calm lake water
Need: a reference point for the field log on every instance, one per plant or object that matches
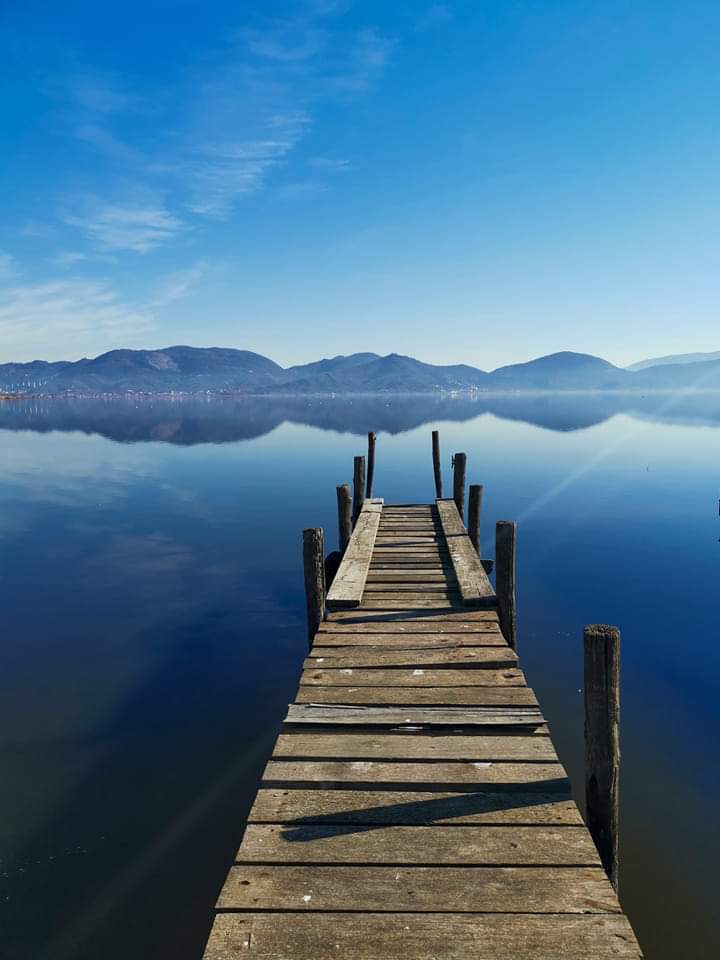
(153, 629)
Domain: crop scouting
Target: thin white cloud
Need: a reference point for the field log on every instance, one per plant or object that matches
(286, 42)
(54, 319)
(7, 265)
(435, 16)
(176, 286)
(227, 171)
(134, 226)
(330, 164)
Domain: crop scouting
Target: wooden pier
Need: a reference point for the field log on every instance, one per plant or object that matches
(414, 807)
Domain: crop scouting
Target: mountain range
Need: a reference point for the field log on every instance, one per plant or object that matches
(194, 370)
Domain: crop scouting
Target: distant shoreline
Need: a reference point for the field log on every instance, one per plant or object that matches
(394, 395)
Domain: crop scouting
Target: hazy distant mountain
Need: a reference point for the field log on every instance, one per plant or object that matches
(369, 373)
(679, 376)
(674, 359)
(193, 370)
(561, 371)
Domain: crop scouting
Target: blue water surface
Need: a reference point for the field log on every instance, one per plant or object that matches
(153, 629)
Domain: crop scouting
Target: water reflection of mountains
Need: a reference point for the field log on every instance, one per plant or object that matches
(188, 422)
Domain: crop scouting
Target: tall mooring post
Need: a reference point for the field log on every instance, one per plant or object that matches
(505, 536)
(474, 505)
(344, 507)
(436, 463)
(459, 467)
(314, 569)
(370, 465)
(358, 487)
(602, 742)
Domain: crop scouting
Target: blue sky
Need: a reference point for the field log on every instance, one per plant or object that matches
(468, 181)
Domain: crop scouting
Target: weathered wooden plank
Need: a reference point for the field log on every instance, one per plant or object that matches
(416, 807)
(450, 520)
(349, 583)
(409, 618)
(408, 628)
(473, 582)
(387, 572)
(416, 588)
(421, 936)
(389, 716)
(419, 677)
(421, 889)
(408, 641)
(352, 657)
(489, 846)
(409, 606)
(445, 774)
(419, 696)
(413, 746)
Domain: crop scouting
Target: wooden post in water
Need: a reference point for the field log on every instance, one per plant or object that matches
(474, 505)
(436, 463)
(344, 505)
(314, 567)
(505, 536)
(602, 742)
(459, 466)
(370, 465)
(358, 487)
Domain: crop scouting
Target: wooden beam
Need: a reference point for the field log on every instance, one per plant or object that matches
(602, 741)
(437, 470)
(505, 539)
(473, 583)
(349, 582)
(344, 505)
(358, 486)
(314, 569)
(370, 465)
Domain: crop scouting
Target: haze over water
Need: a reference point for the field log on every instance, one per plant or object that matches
(153, 630)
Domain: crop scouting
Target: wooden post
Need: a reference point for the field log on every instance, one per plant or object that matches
(370, 465)
(314, 567)
(602, 742)
(344, 505)
(474, 505)
(436, 463)
(459, 465)
(358, 487)
(505, 535)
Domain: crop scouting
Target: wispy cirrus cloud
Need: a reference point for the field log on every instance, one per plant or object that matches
(46, 319)
(436, 15)
(224, 130)
(7, 265)
(138, 227)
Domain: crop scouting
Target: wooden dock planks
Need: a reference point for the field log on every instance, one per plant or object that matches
(414, 807)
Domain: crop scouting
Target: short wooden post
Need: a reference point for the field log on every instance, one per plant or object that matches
(602, 742)
(370, 465)
(314, 567)
(474, 505)
(344, 505)
(358, 487)
(459, 466)
(436, 463)
(505, 536)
